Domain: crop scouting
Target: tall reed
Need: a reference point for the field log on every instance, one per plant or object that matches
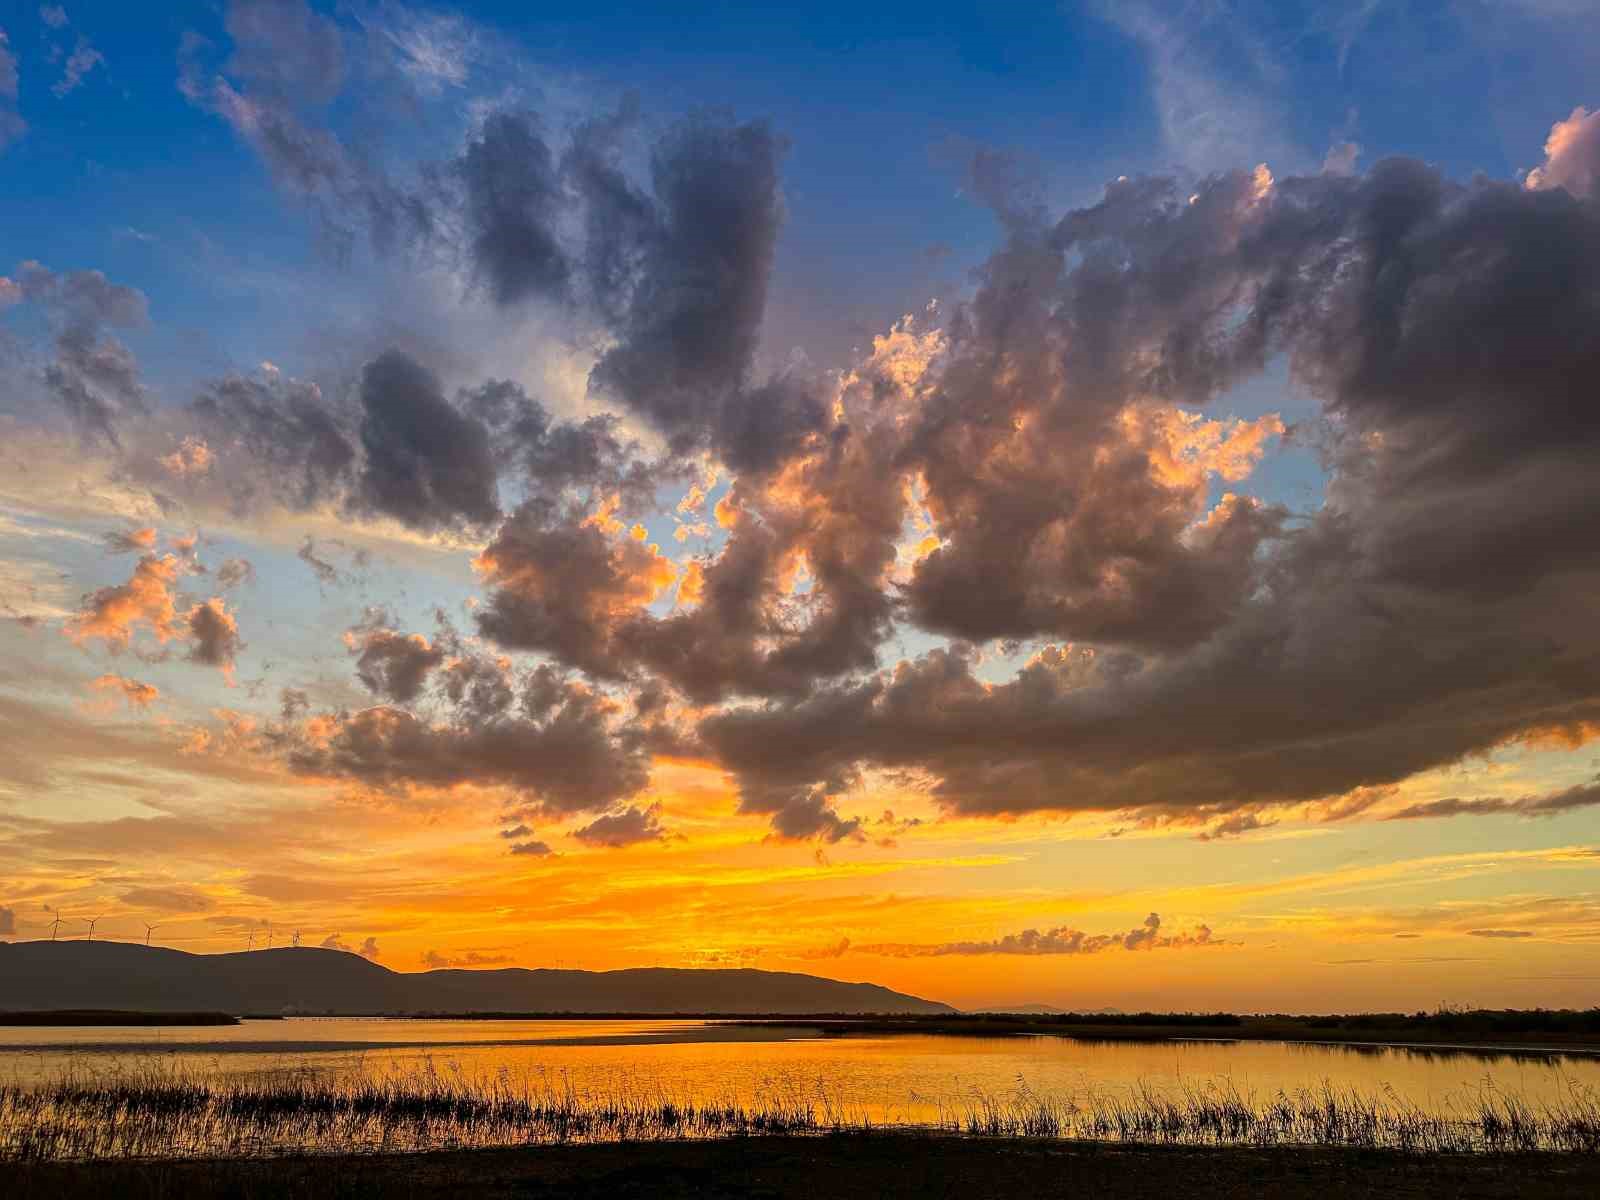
(161, 1112)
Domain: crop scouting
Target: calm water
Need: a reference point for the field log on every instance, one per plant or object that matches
(900, 1078)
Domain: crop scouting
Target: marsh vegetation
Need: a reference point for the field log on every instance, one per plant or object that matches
(156, 1112)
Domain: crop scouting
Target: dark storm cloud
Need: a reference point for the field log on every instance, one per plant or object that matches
(426, 463)
(513, 198)
(568, 752)
(619, 218)
(1426, 612)
(580, 461)
(560, 584)
(690, 329)
(278, 440)
(626, 828)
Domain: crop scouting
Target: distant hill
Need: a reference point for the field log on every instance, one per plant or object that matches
(49, 975)
(1043, 1010)
(1021, 1010)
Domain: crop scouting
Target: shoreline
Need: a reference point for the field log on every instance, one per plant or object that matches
(1363, 1035)
(848, 1166)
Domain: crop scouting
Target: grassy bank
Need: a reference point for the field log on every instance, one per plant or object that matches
(161, 1113)
(846, 1167)
(1566, 1029)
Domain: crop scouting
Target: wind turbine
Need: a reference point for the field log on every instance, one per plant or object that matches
(56, 924)
(251, 944)
(148, 930)
(93, 921)
(295, 941)
(269, 935)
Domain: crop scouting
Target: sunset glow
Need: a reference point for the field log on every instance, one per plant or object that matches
(500, 498)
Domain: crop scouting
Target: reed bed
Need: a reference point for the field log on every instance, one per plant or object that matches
(163, 1113)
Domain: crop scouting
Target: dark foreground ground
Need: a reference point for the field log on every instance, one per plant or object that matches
(822, 1168)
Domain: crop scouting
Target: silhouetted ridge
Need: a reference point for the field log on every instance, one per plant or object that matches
(62, 975)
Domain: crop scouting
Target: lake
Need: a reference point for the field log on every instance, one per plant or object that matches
(899, 1078)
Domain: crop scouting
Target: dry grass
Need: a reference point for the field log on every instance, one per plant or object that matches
(1218, 1114)
(161, 1113)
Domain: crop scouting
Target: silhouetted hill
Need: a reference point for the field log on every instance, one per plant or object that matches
(46, 975)
(1041, 1010)
(1025, 1010)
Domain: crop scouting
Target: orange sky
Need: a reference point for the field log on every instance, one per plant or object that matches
(1185, 602)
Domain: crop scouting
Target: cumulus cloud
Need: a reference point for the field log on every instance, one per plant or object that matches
(513, 200)
(426, 464)
(392, 665)
(1205, 667)
(234, 572)
(113, 615)
(150, 603)
(131, 541)
(1039, 467)
(192, 457)
(628, 827)
(137, 694)
(276, 440)
(1060, 940)
(213, 635)
(1571, 156)
(565, 747)
(833, 950)
(532, 849)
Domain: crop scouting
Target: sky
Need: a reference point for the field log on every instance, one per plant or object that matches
(1091, 505)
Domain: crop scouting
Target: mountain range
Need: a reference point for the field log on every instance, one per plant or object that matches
(123, 975)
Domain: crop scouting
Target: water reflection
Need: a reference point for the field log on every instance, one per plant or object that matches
(884, 1077)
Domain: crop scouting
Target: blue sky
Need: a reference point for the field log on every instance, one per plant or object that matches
(879, 103)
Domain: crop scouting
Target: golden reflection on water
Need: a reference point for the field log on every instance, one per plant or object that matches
(885, 1079)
